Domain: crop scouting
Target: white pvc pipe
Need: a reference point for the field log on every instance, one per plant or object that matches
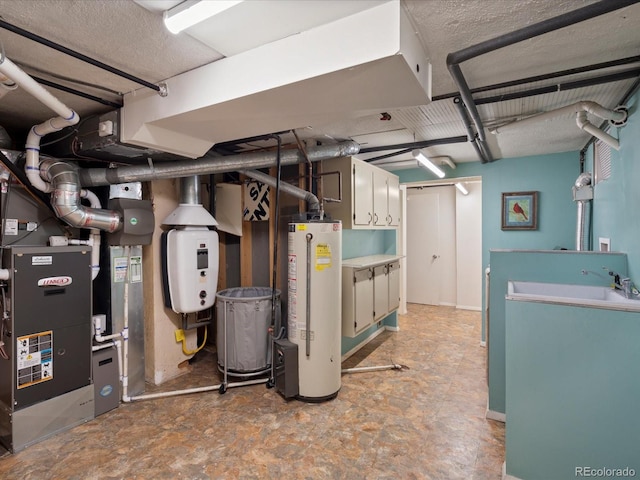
(393, 366)
(66, 117)
(209, 388)
(584, 124)
(95, 238)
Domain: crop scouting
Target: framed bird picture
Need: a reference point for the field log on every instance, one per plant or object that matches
(520, 211)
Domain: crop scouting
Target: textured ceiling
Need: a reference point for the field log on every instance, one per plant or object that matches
(130, 36)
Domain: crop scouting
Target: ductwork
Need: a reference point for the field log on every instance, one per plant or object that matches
(617, 117)
(314, 203)
(582, 195)
(65, 199)
(94, 177)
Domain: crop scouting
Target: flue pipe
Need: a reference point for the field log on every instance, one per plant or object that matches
(66, 118)
(209, 164)
(65, 199)
(314, 203)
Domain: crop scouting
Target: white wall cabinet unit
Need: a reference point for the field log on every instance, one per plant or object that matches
(370, 291)
(370, 195)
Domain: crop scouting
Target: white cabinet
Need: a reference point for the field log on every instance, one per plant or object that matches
(370, 195)
(370, 291)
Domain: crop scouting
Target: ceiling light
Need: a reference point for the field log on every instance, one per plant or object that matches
(462, 189)
(423, 160)
(191, 12)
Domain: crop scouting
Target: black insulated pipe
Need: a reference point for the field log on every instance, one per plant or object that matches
(76, 92)
(482, 154)
(570, 18)
(414, 145)
(56, 46)
(587, 82)
(544, 76)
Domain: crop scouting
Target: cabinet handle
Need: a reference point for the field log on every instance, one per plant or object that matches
(370, 217)
(375, 216)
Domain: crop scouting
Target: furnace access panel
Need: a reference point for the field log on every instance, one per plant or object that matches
(50, 311)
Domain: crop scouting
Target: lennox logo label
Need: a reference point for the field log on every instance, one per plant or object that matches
(55, 282)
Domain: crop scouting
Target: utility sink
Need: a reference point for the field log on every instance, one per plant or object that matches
(580, 295)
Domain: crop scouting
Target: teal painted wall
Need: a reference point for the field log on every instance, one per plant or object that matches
(359, 243)
(550, 175)
(553, 267)
(572, 391)
(616, 202)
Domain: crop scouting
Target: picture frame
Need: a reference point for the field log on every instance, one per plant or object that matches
(520, 210)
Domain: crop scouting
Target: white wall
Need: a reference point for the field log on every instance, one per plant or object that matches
(468, 217)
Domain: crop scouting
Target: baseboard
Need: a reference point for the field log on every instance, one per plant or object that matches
(497, 416)
(504, 473)
(468, 307)
(392, 329)
(447, 304)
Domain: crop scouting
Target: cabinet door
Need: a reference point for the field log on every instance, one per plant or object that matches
(380, 200)
(394, 286)
(363, 301)
(393, 200)
(362, 194)
(380, 291)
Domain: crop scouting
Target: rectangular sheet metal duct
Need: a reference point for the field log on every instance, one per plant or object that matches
(368, 62)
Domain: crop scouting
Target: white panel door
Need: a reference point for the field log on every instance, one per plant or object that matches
(423, 251)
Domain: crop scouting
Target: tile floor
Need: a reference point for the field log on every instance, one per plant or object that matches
(423, 423)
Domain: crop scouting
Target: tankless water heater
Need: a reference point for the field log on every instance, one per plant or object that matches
(190, 268)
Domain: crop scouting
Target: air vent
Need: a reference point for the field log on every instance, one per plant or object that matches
(601, 161)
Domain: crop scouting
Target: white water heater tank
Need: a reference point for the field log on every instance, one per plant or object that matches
(190, 268)
(315, 306)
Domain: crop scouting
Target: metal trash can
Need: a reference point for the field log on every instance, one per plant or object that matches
(242, 335)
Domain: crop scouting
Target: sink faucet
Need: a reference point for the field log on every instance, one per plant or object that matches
(623, 284)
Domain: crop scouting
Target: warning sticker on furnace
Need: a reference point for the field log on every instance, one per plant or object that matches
(323, 256)
(34, 358)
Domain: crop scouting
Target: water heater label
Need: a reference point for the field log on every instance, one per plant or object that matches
(293, 266)
(323, 256)
(55, 282)
(34, 359)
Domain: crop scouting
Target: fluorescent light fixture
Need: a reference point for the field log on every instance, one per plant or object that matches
(191, 12)
(423, 160)
(462, 189)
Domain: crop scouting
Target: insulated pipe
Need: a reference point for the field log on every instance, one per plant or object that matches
(616, 117)
(209, 164)
(314, 203)
(66, 118)
(65, 199)
(540, 28)
(470, 135)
